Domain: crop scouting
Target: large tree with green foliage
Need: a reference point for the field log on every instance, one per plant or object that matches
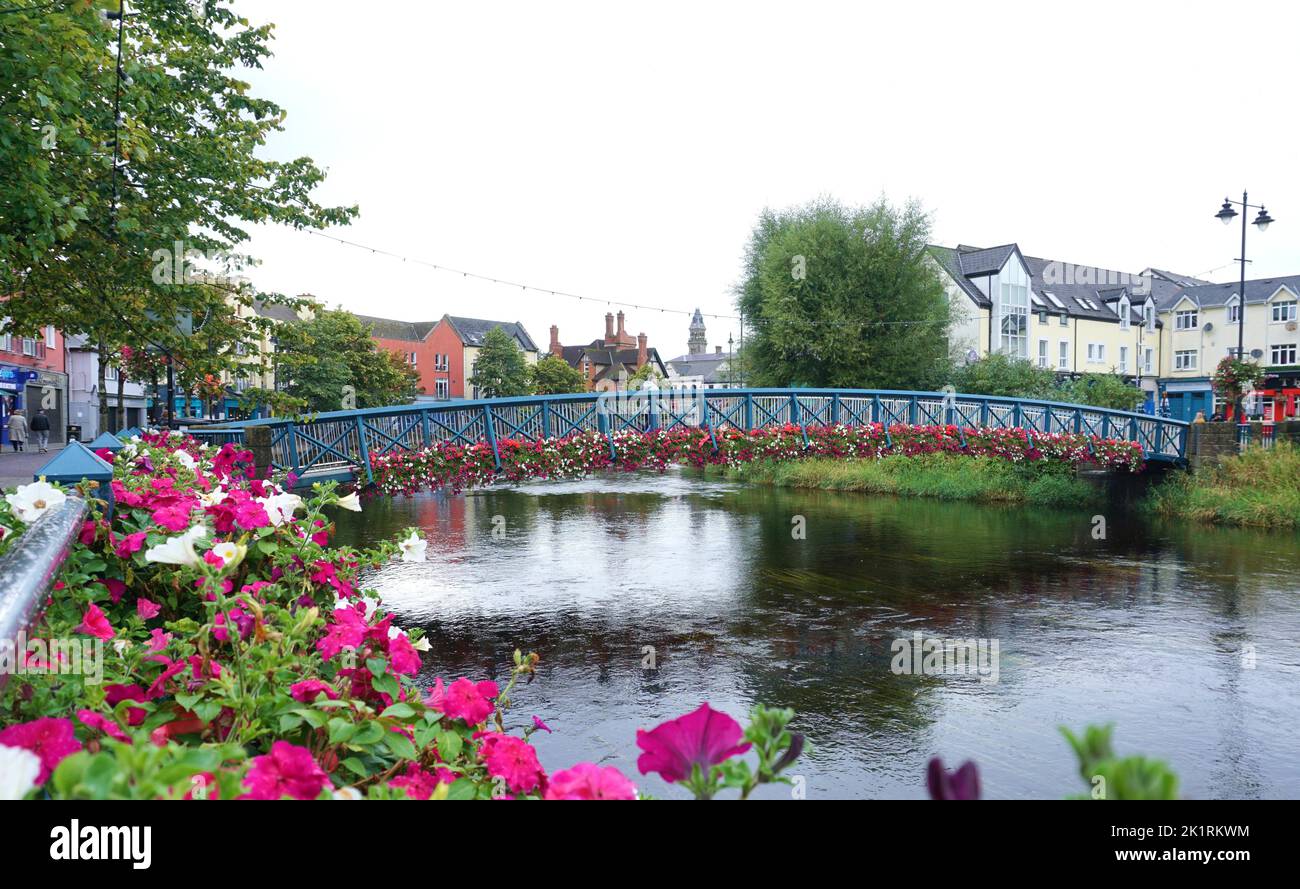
(500, 369)
(843, 297)
(320, 361)
(999, 374)
(552, 375)
(117, 173)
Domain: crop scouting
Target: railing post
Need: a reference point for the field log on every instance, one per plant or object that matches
(291, 437)
(875, 409)
(1016, 420)
(1133, 432)
(797, 417)
(1105, 426)
(365, 449)
(602, 423)
(546, 418)
(490, 432)
(1078, 420)
(426, 429)
(984, 413)
(912, 404)
(652, 410)
(835, 409)
(749, 411)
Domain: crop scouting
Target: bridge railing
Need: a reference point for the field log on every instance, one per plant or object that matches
(337, 441)
(28, 569)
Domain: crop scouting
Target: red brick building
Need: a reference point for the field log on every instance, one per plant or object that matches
(443, 352)
(608, 362)
(33, 373)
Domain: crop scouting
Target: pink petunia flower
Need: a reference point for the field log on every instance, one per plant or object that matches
(94, 623)
(464, 699)
(288, 770)
(587, 780)
(420, 784)
(704, 737)
(512, 759)
(102, 723)
(307, 690)
(49, 738)
(146, 609)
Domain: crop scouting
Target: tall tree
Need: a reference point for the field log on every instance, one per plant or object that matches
(552, 375)
(500, 369)
(331, 358)
(843, 297)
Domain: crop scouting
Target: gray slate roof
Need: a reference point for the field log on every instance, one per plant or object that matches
(391, 329)
(1257, 291)
(710, 366)
(472, 331)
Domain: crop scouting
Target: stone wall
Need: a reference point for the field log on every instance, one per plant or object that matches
(1208, 443)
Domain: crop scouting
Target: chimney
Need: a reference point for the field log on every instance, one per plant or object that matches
(622, 334)
(642, 353)
(609, 327)
(717, 350)
(556, 348)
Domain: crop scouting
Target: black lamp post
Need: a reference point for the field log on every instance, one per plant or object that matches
(731, 363)
(1225, 215)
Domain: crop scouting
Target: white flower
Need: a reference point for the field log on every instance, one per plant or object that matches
(121, 646)
(214, 497)
(422, 644)
(281, 507)
(347, 793)
(351, 502)
(19, 769)
(178, 550)
(183, 458)
(413, 548)
(30, 502)
(231, 553)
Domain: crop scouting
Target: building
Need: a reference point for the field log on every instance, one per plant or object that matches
(83, 392)
(1202, 325)
(33, 377)
(1070, 318)
(443, 352)
(609, 362)
(700, 367)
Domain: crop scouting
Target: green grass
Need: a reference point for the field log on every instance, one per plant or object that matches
(1260, 488)
(942, 476)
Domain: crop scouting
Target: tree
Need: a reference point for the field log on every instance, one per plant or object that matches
(552, 375)
(1102, 390)
(500, 369)
(331, 357)
(999, 374)
(643, 374)
(118, 178)
(843, 297)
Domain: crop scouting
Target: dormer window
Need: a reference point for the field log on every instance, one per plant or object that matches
(1234, 311)
(1124, 318)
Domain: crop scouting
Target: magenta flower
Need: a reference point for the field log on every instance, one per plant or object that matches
(541, 726)
(463, 699)
(587, 780)
(512, 759)
(146, 609)
(288, 770)
(52, 740)
(308, 690)
(94, 623)
(99, 722)
(961, 784)
(704, 737)
(420, 784)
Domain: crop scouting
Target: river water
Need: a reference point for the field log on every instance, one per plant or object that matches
(1184, 636)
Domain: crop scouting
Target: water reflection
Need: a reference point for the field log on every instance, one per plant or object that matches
(1146, 627)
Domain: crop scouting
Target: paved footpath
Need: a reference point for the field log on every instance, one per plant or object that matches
(18, 469)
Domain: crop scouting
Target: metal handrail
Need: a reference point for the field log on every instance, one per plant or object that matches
(28, 570)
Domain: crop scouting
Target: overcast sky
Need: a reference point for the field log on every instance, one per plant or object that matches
(623, 151)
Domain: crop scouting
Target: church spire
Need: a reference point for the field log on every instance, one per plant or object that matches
(697, 344)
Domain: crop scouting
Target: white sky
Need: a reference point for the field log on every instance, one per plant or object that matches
(624, 151)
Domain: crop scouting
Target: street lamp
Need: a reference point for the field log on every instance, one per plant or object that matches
(1225, 215)
(731, 370)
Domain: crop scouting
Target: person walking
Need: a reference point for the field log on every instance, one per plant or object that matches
(41, 430)
(17, 430)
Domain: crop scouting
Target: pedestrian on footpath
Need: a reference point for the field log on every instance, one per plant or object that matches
(41, 430)
(17, 430)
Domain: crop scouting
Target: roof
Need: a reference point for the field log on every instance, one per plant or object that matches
(274, 311)
(472, 330)
(1174, 278)
(390, 329)
(1257, 291)
(610, 360)
(711, 366)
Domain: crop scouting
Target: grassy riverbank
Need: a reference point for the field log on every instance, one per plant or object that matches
(943, 476)
(1260, 488)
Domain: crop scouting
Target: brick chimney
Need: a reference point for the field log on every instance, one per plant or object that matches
(717, 350)
(622, 334)
(609, 327)
(642, 353)
(556, 348)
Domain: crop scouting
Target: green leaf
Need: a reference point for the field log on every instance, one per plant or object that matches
(401, 746)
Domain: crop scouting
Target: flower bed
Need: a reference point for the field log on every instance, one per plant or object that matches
(210, 642)
(457, 467)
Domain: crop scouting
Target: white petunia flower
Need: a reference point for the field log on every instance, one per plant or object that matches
(178, 550)
(30, 502)
(351, 502)
(422, 645)
(413, 548)
(19, 770)
(212, 498)
(280, 508)
(184, 459)
(231, 553)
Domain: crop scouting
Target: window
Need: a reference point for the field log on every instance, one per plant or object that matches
(1148, 359)
(1063, 362)
(1013, 311)
(1149, 316)
(110, 373)
(1042, 353)
(1186, 319)
(1096, 353)
(29, 347)
(1052, 297)
(1124, 316)
(1234, 312)
(1284, 310)
(1123, 359)
(1185, 359)
(1284, 354)
(440, 389)
(1042, 317)
(1065, 320)
(414, 359)
(50, 342)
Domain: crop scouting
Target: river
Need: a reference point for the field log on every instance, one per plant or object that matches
(1184, 636)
